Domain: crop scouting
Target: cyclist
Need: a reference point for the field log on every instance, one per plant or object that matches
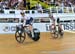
(55, 22)
(27, 20)
(59, 25)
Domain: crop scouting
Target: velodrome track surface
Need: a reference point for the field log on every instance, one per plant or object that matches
(46, 45)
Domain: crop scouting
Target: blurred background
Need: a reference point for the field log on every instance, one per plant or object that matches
(41, 6)
(34, 4)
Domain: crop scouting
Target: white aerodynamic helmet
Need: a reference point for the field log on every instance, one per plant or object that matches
(22, 12)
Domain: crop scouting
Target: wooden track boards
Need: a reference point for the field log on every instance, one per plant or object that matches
(46, 45)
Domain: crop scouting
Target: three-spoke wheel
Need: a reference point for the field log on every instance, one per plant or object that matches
(20, 34)
(20, 37)
(56, 33)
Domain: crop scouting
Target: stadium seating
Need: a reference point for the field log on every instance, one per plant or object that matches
(34, 2)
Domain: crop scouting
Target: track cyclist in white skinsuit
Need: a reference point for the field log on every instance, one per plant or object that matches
(27, 20)
(55, 22)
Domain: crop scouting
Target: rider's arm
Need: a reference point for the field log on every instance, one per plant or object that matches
(24, 21)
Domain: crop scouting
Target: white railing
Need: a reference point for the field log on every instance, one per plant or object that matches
(51, 9)
(62, 9)
(62, 12)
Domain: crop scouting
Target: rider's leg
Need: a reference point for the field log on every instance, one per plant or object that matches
(28, 23)
(53, 28)
(60, 29)
(30, 27)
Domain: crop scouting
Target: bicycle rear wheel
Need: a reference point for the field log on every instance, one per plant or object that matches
(36, 34)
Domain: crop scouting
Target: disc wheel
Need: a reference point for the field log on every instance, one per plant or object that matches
(36, 34)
